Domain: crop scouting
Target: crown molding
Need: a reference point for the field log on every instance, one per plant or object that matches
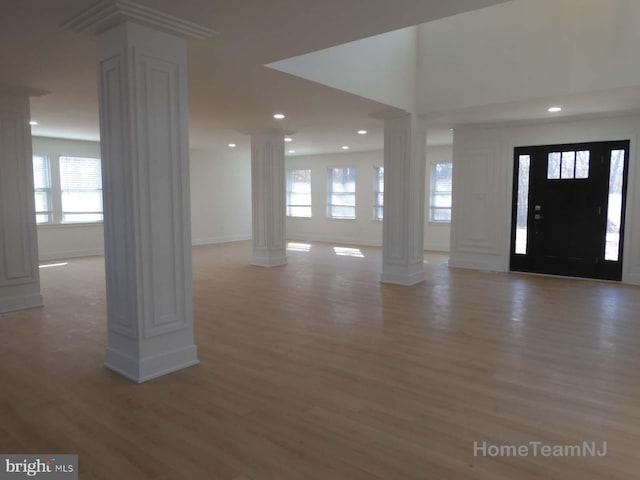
(109, 13)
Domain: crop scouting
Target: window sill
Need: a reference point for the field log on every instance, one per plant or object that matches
(334, 219)
(299, 218)
(69, 225)
(439, 224)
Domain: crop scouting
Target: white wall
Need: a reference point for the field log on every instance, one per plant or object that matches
(65, 241)
(363, 230)
(220, 196)
(220, 201)
(482, 186)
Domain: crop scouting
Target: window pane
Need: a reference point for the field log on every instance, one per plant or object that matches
(42, 201)
(441, 189)
(522, 206)
(553, 166)
(43, 218)
(294, 211)
(41, 176)
(441, 200)
(582, 164)
(77, 173)
(341, 193)
(299, 193)
(81, 189)
(378, 193)
(81, 217)
(568, 164)
(614, 209)
(78, 201)
(441, 215)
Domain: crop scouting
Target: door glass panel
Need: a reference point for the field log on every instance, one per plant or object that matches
(524, 165)
(582, 164)
(568, 164)
(553, 166)
(614, 209)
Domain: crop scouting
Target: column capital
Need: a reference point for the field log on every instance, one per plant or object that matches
(109, 13)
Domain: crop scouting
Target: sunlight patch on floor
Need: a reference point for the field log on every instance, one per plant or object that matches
(54, 265)
(348, 252)
(298, 247)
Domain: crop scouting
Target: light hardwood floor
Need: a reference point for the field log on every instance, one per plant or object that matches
(316, 371)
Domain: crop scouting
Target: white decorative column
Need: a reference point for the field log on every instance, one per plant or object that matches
(405, 141)
(19, 275)
(268, 197)
(142, 85)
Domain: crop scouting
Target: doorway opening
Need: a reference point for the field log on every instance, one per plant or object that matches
(569, 206)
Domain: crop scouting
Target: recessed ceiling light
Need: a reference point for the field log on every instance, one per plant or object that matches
(232, 145)
(279, 116)
(288, 139)
(362, 132)
(33, 123)
(555, 109)
(292, 151)
(345, 147)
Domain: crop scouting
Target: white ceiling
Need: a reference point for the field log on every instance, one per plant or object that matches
(232, 91)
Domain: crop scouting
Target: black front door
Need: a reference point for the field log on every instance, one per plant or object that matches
(568, 216)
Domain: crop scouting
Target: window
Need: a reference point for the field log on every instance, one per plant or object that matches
(42, 187)
(441, 177)
(614, 206)
(378, 193)
(299, 193)
(522, 212)
(67, 189)
(342, 193)
(81, 189)
(568, 165)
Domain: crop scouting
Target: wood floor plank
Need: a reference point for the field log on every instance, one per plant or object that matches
(316, 371)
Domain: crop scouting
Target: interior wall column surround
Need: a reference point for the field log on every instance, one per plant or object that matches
(142, 72)
(405, 139)
(268, 196)
(19, 273)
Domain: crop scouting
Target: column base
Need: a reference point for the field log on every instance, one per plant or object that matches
(13, 304)
(148, 368)
(404, 279)
(269, 261)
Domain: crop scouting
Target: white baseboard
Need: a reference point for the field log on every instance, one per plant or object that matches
(141, 370)
(90, 252)
(437, 247)
(20, 303)
(475, 265)
(220, 239)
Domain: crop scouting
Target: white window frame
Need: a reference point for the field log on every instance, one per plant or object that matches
(291, 206)
(55, 191)
(378, 208)
(331, 193)
(435, 191)
(46, 190)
